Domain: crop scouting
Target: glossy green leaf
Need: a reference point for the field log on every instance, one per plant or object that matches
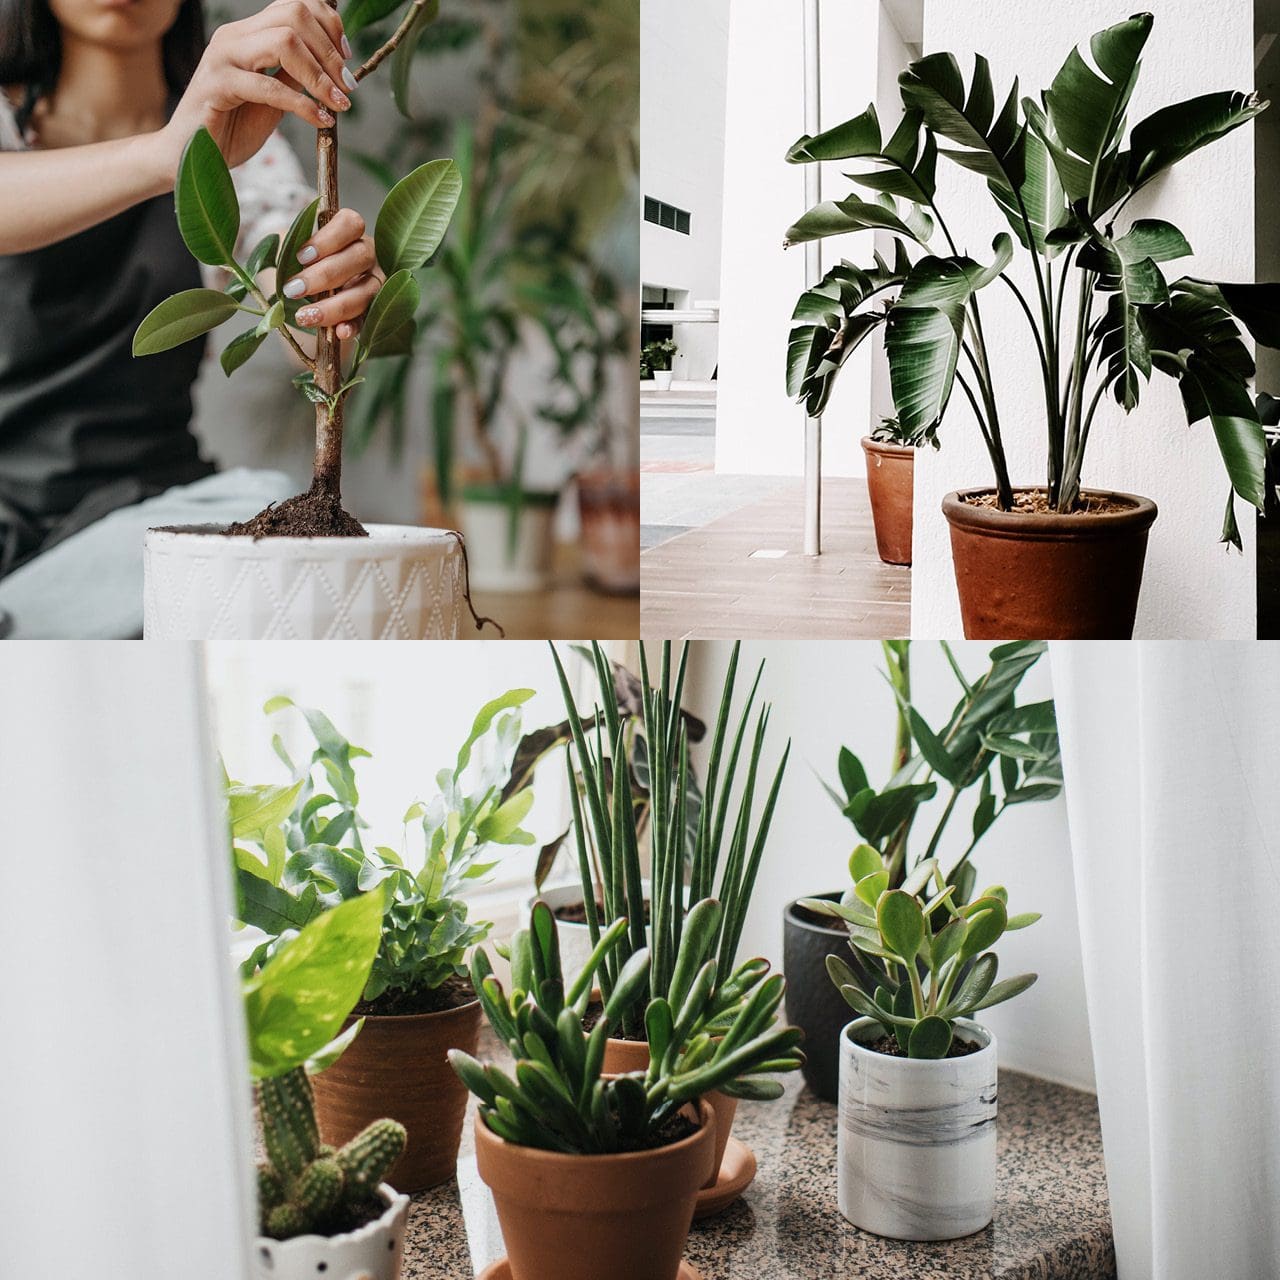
(359, 14)
(254, 809)
(1173, 132)
(415, 216)
(853, 777)
(1006, 989)
(864, 861)
(901, 923)
(239, 349)
(204, 198)
(987, 919)
(406, 51)
(390, 325)
(263, 256)
(300, 231)
(930, 1038)
(182, 317)
(837, 218)
(974, 986)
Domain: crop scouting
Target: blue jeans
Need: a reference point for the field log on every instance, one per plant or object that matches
(89, 586)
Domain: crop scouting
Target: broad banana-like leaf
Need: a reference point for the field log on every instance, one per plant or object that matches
(912, 164)
(1043, 199)
(1235, 425)
(1087, 111)
(1124, 345)
(831, 218)
(1192, 323)
(1170, 134)
(1256, 306)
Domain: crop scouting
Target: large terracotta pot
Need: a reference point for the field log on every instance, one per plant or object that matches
(568, 1217)
(397, 1067)
(621, 1056)
(890, 485)
(814, 1004)
(1025, 576)
(609, 509)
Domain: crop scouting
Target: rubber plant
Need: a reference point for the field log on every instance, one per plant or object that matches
(409, 228)
(1062, 172)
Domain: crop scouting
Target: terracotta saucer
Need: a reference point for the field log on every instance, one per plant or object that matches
(737, 1170)
(501, 1270)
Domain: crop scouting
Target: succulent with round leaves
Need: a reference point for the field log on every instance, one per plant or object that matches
(700, 1039)
(920, 961)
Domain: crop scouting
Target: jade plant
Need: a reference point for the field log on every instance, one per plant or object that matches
(921, 961)
(300, 849)
(1062, 172)
(295, 1006)
(685, 866)
(409, 228)
(1006, 749)
(555, 1097)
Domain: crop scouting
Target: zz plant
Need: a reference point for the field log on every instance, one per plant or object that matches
(555, 1098)
(1102, 311)
(921, 961)
(410, 226)
(300, 850)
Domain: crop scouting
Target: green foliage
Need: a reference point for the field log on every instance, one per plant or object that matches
(300, 850)
(1060, 173)
(922, 960)
(656, 356)
(609, 825)
(415, 216)
(891, 431)
(178, 319)
(700, 1038)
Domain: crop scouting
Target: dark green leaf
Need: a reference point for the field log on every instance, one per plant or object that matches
(402, 59)
(389, 327)
(205, 201)
(1171, 133)
(239, 349)
(415, 216)
(179, 319)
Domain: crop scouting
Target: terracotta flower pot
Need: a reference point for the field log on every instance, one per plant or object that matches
(890, 485)
(609, 508)
(567, 1217)
(397, 1067)
(1033, 576)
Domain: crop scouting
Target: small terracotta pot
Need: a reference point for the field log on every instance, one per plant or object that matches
(621, 1056)
(567, 1217)
(1024, 576)
(397, 1067)
(609, 508)
(890, 485)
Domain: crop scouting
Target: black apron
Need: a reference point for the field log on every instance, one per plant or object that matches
(84, 427)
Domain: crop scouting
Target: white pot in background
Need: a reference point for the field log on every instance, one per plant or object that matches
(575, 939)
(375, 1250)
(662, 379)
(498, 563)
(399, 583)
(917, 1138)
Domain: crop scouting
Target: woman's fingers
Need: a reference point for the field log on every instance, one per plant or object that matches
(326, 16)
(334, 270)
(249, 86)
(344, 228)
(284, 47)
(342, 308)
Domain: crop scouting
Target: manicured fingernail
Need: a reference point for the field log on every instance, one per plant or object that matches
(309, 315)
(340, 99)
(349, 80)
(346, 46)
(295, 288)
(307, 254)
(326, 118)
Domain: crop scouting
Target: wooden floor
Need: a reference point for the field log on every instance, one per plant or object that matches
(706, 584)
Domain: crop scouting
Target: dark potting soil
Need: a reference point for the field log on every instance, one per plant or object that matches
(452, 993)
(349, 1218)
(595, 1011)
(576, 912)
(889, 1045)
(674, 1129)
(1037, 503)
(309, 515)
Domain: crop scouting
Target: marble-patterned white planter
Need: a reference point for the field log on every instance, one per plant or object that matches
(917, 1140)
(374, 1252)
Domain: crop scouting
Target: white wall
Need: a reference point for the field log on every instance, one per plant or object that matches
(683, 50)
(829, 694)
(1193, 588)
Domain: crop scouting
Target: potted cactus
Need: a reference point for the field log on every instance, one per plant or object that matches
(676, 842)
(321, 1208)
(596, 1174)
(1006, 749)
(306, 569)
(300, 850)
(917, 1141)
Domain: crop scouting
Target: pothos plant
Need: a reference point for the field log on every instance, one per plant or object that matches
(409, 228)
(1062, 173)
(299, 850)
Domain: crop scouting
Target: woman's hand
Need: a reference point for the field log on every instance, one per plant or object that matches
(233, 97)
(338, 260)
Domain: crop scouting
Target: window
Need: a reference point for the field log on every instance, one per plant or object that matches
(666, 215)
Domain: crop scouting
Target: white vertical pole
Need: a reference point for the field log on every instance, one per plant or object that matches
(812, 274)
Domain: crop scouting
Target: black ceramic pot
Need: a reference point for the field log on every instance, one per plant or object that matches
(813, 1003)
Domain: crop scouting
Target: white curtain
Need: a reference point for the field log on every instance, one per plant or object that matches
(124, 1128)
(1171, 755)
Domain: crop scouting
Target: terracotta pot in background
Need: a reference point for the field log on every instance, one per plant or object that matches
(567, 1217)
(1025, 576)
(609, 509)
(397, 1067)
(814, 1004)
(890, 485)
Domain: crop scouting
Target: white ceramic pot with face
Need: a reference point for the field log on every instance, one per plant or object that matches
(917, 1137)
(375, 1250)
(399, 583)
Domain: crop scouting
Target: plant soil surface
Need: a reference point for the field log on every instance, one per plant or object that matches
(595, 1011)
(397, 1002)
(889, 1045)
(576, 912)
(350, 1218)
(309, 515)
(1036, 503)
(674, 1129)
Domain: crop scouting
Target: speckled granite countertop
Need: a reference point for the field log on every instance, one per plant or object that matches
(1052, 1221)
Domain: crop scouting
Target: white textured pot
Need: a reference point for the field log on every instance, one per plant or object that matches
(499, 564)
(375, 1250)
(662, 379)
(917, 1141)
(399, 583)
(575, 939)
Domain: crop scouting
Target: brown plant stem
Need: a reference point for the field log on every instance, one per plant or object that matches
(399, 34)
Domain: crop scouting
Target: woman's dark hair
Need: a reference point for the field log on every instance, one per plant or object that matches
(31, 49)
